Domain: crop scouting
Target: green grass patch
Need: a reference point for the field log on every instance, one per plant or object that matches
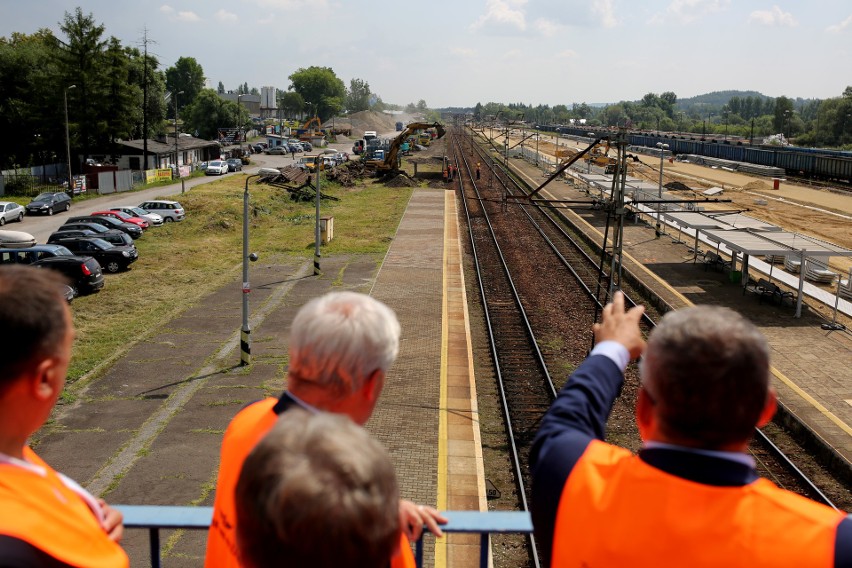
(181, 262)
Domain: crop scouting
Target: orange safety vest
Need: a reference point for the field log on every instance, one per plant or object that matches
(616, 510)
(243, 433)
(47, 514)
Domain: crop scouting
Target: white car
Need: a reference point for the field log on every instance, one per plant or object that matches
(10, 211)
(153, 219)
(168, 210)
(216, 168)
(16, 239)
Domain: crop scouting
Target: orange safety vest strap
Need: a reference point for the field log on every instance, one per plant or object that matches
(243, 433)
(404, 557)
(44, 512)
(616, 510)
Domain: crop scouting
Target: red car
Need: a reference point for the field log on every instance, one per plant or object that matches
(122, 216)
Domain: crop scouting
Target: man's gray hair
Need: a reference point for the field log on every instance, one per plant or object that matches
(706, 369)
(338, 340)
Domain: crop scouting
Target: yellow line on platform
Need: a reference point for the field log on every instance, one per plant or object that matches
(441, 543)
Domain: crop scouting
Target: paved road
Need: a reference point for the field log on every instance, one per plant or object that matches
(41, 227)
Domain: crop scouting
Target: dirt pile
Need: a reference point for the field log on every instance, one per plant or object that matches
(371, 120)
(756, 185)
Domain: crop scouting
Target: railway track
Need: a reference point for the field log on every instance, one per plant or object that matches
(541, 290)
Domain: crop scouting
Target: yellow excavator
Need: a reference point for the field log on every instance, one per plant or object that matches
(599, 156)
(389, 163)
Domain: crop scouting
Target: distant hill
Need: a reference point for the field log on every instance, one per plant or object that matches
(719, 98)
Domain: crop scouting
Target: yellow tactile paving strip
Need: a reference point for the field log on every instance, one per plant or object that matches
(461, 476)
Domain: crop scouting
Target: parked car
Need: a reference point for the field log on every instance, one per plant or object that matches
(112, 258)
(110, 223)
(216, 168)
(114, 236)
(111, 236)
(49, 203)
(16, 239)
(279, 150)
(83, 272)
(258, 148)
(169, 210)
(122, 216)
(234, 164)
(153, 219)
(307, 146)
(294, 147)
(11, 211)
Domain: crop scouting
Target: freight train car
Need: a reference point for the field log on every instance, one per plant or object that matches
(808, 162)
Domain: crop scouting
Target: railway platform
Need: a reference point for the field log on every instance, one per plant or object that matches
(812, 366)
(147, 427)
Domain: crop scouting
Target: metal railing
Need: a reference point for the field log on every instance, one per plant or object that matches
(157, 518)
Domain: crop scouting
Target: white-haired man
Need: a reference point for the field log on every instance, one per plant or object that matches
(341, 347)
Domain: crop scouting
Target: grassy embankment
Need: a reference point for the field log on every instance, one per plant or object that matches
(181, 262)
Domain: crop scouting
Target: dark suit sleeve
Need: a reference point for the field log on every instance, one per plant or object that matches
(577, 416)
(16, 553)
(843, 544)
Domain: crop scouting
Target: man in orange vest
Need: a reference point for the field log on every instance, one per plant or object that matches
(317, 491)
(46, 519)
(341, 347)
(692, 496)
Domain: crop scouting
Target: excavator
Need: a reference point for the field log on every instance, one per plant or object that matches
(599, 156)
(390, 161)
(308, 131)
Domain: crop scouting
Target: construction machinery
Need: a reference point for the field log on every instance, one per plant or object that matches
(311, 129)
(599, 156)
(390, 163)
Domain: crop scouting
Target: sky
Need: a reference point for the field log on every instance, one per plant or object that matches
(459, 53)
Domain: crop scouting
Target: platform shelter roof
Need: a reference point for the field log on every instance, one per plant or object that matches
(755, 243)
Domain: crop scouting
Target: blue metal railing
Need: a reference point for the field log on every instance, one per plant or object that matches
(156, 518)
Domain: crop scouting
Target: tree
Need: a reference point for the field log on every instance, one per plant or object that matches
(221, 88)
(82, 57)
(208, 112)
(358, 97)
(783, 110)
(320, 88)
(421, 105)
(187, 75)
(291, 103)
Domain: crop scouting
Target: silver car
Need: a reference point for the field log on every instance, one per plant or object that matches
(10, 211)
(153, 219)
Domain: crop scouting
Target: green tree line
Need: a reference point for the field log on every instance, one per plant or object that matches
(823, 123)
(114, 92)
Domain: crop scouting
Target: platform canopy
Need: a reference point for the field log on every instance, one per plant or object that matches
(776, 243)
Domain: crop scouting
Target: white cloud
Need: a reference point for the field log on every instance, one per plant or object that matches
(188, 17)
(502, 14)
(605, 11)
(690, 10)
(292, 5)
(773, 18)
(837, 28)
(179, 16)
(567, 54)
(464, 52)
(225, 16)
(547, 28)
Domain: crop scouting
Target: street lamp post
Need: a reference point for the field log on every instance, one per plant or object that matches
(589, 158)
(245, 331)
(725, 113)
(177, 170)
(663, 148)
(68, 142)
(787, 116)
